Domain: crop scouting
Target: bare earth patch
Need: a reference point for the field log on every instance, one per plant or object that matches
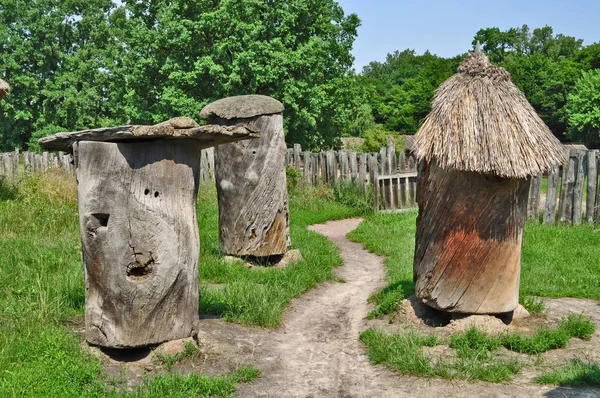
(316, 352)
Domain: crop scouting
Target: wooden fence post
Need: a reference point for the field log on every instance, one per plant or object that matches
(578, 188)
(344, 166)
(297, 150)
(331, 167)
(362, 174)
(533, 200)
(353, 167)
(306, 168)
(590, 207)
(565, 206)
(7, 164)
(16, 162)
(550, 206)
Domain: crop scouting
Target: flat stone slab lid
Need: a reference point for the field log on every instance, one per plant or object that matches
(177, 128)
(242, 107)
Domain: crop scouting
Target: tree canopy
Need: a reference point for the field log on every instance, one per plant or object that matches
(78, 64)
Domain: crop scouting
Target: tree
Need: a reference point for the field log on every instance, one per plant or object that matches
(583, 110)
(56, 56)
(185, 54)
(403, 85)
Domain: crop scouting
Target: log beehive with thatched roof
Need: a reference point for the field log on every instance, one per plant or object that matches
(4, 88)
(478, 148)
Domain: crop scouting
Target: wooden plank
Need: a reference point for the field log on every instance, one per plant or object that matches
(592, 172)
(362, 173)
(323, 166)
(306, 166)
(402, 161)
(44, 162)
(383, 163)
(578, 187)
(297, 150)
(344, 165)
(210, 156)
(375, 191)
(15, 159)
(565, 205)
(314, 162)
(412, 182)
(7, 164)
(353, 166)
(331, 168)
(391, 155)
(551, 194)
(533, 199)
(1, 164)
(373, 167)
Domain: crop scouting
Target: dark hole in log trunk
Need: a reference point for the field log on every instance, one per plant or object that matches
(156, 194)
(146, 191)
(102, 218)
(138, 271)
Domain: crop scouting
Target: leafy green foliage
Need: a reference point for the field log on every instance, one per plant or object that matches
(184, 54)
(583, 109)
(402, 87)
(377, 137)
(84, 64)
(532, 304)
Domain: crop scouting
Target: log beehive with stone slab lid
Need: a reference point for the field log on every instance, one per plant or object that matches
(478, 148)
(250, 177)
(137, 188)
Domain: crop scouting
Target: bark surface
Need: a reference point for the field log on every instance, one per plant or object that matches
(468, 240)
(137, 211)
(252, 192)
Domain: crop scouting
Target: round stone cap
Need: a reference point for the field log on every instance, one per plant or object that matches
(242, 107)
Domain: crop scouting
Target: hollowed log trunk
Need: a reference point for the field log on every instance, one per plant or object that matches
(468, 241)
(137, 211)
(252, 192)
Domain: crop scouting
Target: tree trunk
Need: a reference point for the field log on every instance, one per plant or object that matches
(137, 211)
(468, 241)
(252, 192)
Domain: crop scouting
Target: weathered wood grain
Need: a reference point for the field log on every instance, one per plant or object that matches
(252, 192)
(592, 172)
(551, 194)
(468, 240)
(581, 163)
(565, 205)
(362, 173)
(297, 151)
(137, 211)
(533, 201)
(331, 168)
(177, 128)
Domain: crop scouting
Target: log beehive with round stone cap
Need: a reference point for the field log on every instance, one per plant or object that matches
(478, 148)
(250, 177)
(137, 188)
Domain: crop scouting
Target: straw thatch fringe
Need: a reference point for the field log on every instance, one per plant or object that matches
(480, 121)
(4, 88)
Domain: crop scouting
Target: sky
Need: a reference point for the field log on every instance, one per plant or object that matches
(447, 28)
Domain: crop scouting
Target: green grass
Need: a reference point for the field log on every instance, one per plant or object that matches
(557, 261)
(42, 289)
(476, 355)
(259, 297)
(576, 373)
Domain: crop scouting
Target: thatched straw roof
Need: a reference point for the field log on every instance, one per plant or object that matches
(480, 121)
(4, 87)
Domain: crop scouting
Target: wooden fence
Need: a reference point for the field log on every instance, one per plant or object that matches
(16, 163)
(566, 194)
(392, 176)
(571, 192)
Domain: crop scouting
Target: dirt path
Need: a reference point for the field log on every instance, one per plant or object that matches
(316, 351)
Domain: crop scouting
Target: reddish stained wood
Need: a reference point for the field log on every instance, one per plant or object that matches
(468, 241)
